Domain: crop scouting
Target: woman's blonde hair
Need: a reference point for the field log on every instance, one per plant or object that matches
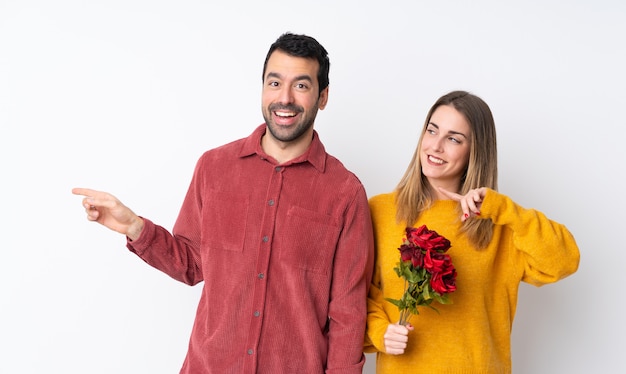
(413, 192)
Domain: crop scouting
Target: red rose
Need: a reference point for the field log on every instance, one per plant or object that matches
(427, 271)
(445, 280)
(427, 239)
(409, 252)
(435, 262)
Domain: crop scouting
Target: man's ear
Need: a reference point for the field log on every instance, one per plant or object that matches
(323, 100)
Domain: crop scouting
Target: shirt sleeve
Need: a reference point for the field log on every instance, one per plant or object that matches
(178, 254)
(352, 272)
(548, 251)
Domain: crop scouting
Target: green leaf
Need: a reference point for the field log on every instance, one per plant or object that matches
(398, 271)
(398, 303)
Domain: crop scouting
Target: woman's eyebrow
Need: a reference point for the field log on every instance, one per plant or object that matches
(450, 131)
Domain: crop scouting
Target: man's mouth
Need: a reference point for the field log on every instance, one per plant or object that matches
(285, 111)
(285, 114)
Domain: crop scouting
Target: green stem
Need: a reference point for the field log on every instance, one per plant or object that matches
(405, 315)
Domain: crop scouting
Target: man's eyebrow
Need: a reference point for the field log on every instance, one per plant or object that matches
(273, 75)
(304, 77)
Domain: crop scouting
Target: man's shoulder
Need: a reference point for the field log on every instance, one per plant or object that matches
(336, 168)
(238, 147)
(228, 147)
(226, 150)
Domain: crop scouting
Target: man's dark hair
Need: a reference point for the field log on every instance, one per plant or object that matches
(302, 46)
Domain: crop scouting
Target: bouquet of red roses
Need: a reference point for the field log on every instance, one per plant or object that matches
(427, 271)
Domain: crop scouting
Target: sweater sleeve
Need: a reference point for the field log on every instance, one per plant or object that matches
(377, 321)
(548, 251)
(377, 318)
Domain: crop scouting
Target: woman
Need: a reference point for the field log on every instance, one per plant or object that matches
(451, 187)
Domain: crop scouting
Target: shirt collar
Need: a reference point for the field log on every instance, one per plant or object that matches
(315, 154)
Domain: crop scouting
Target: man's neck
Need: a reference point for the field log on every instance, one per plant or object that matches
(283, 152)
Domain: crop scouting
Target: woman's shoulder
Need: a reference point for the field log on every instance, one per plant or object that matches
(383, 199)
(383, 205)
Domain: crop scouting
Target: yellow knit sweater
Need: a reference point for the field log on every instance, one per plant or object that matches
(472, 335)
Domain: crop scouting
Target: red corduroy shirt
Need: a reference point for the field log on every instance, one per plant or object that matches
(286, 255)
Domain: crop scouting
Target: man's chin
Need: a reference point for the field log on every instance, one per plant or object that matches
(286, 133)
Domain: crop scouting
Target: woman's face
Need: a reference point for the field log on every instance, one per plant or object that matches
(445, 148)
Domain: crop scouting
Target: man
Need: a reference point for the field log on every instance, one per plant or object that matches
(278, 230)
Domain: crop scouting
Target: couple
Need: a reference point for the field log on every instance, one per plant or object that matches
(315, 257)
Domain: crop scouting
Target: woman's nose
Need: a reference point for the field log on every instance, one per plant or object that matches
(438, 144)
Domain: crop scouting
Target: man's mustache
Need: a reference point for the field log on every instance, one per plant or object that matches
(290, 108)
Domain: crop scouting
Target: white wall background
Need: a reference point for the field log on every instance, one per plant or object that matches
(124, 96)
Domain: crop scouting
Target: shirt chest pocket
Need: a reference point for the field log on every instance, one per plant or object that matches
(224, 217)
(313, 238)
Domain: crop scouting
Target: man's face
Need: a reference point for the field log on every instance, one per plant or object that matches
(291, 96)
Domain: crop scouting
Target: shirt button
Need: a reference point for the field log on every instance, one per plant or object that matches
(277, 168)
(261, 275)
(271, 202)
(256, 313)
(265, 239)
(250, 351)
